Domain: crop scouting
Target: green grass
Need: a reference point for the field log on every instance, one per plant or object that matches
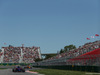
(60, 72)
(2, 68)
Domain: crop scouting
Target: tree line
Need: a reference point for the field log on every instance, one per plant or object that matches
(67, 48)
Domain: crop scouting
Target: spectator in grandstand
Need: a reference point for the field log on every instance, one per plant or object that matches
(79, 51)
(17, 54)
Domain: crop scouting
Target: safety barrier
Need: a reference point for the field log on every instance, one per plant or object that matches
(11, 64)
(74, 68)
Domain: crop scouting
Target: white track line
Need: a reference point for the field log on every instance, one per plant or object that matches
(92, 73)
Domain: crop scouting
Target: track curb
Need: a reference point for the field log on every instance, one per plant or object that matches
(34, 72)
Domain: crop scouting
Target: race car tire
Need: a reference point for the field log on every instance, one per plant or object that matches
(13, 71)
(23, 71)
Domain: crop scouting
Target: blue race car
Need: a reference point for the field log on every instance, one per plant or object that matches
(18, 69)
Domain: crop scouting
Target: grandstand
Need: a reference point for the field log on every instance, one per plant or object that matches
(19, 54)
(86, 55)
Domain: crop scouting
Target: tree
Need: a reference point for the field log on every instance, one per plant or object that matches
(50, 55)
(70, 47)
(61, 51)
(38, 59)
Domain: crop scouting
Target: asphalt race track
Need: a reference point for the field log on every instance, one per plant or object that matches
(9, 71)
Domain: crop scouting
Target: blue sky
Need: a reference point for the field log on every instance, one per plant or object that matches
(49, 24)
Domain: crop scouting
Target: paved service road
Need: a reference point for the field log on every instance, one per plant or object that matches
(9, 72)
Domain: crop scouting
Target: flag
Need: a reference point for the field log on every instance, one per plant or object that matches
(4, 43)
(96, 34)
(88, 38)
(92, 36)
